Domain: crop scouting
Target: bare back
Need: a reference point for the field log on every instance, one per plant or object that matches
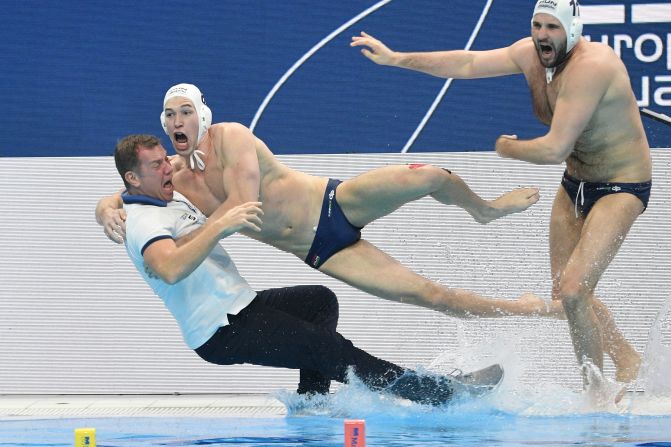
(612, 146)
(291, 200)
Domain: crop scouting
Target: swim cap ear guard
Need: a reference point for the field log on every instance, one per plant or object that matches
(568, 13)
(192, 93)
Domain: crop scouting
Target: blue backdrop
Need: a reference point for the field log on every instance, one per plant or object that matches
(76, 76)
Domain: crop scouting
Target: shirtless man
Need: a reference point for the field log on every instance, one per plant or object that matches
(582, 91)
(175, 249)
(226, 165)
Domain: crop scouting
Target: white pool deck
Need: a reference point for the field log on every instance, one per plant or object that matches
(86, 406)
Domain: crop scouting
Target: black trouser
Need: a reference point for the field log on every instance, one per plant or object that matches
(295, 327)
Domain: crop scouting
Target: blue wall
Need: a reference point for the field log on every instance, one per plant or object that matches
(76, 76)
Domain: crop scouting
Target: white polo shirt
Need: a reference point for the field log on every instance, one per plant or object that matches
(201, 301)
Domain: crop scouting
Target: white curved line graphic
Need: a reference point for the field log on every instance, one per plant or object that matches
(307, 55)
(443, 90)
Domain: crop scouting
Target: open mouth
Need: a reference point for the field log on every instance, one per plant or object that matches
(180, 137)
(546, 50)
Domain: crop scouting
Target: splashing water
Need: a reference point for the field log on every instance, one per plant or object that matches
(657, 361)
(655, 375)
(515, 396)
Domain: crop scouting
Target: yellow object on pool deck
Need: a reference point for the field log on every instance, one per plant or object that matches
(85, 437)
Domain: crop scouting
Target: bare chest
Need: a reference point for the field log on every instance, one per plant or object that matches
(543, 98)
(203, 189)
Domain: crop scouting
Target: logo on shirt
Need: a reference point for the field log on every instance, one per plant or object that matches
(190, 217)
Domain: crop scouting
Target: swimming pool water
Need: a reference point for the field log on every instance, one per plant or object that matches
(516, 414)
(499, 420)
(490, 428)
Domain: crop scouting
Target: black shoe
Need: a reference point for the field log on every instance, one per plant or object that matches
(482, 381)
(439, 390)
(427, 390)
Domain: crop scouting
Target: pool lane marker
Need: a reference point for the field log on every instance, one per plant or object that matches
(355, 433)
(85, 437)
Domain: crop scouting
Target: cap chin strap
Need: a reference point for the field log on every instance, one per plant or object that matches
(549, 73)
(196, 160)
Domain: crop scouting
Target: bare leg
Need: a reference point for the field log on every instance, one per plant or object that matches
(565, 232)
(379, 192)
(602, 234)
(367, 268)
(627, 361)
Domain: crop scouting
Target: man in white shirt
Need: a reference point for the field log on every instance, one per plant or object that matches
(175, 248)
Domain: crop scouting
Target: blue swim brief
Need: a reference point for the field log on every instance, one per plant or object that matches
(585, 194)
(334, 231)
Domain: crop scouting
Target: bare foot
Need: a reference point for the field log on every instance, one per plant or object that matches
(621, 393)
(626, 367)
(511, 202)
(626, 371)
(600, 391)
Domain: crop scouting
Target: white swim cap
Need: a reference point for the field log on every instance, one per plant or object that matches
(192, 93)
(568, 13)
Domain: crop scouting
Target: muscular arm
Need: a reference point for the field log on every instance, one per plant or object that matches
(236, 152)
(577, 101)
(111, 215)
(458, 64)
(174, 260)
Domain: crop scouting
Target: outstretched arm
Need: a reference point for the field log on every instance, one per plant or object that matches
(111, 215)
(174, 260)
(458, 64)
